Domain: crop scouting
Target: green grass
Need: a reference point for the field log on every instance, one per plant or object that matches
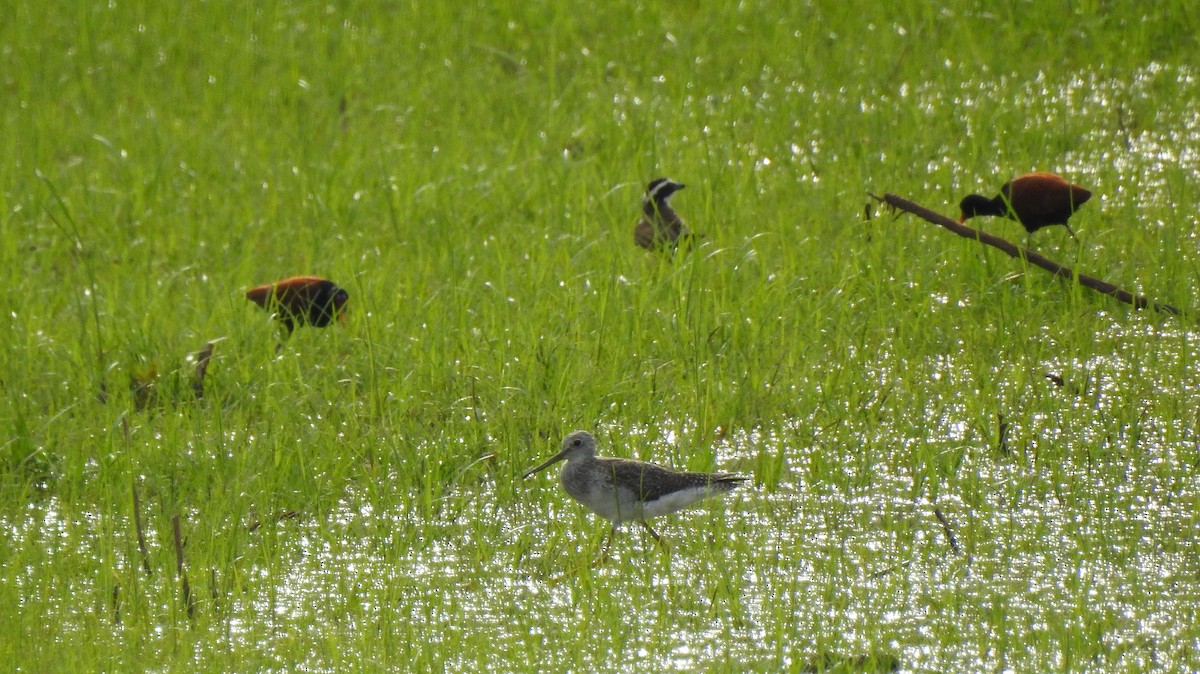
(471, 174)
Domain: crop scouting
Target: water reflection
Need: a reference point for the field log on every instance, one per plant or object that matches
(1082, 532)
(761, 577)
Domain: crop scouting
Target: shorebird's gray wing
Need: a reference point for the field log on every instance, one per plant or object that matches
(653, 482)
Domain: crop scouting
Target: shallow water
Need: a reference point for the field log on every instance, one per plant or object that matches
(1049, 558)
(1067, 546)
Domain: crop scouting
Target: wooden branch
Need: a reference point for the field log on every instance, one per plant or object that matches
(946, 529)
(1062, 271)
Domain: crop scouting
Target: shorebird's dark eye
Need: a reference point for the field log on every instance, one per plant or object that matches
(577, 443)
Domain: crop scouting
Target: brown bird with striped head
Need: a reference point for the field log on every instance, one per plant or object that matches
(660, 228)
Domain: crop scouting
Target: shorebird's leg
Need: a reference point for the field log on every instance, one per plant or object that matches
(600, 559)
(657, 539)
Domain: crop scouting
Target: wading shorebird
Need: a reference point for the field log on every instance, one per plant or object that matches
(660, 228)
(1035, 200)
(623, 490)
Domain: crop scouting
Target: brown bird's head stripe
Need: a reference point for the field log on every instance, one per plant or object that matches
(658, 192)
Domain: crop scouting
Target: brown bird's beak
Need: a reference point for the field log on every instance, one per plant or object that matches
(549, 462)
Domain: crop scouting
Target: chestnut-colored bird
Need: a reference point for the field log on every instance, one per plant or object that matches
(660, 226)
(302, 300)
(1035, 200)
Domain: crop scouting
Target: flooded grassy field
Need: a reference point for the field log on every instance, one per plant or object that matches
(955, 461)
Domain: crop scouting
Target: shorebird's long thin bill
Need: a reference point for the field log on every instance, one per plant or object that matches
(549, 462)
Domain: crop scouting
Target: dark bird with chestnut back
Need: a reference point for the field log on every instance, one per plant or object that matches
(302, 300)
(1035, 200)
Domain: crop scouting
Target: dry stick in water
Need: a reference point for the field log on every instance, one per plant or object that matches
(1002, 435)
(141, 533)
(179, 567)
(946, 528)
(1139, 301)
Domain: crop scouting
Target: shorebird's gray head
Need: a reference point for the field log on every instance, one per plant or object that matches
(578, 444)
